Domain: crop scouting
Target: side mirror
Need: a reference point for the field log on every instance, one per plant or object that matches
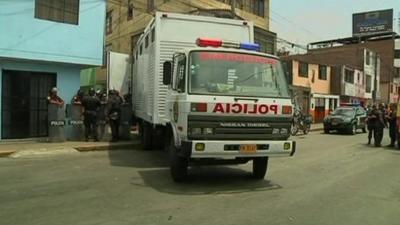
(167, 73)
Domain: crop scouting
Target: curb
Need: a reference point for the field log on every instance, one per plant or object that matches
(7, 153)
(125, 146)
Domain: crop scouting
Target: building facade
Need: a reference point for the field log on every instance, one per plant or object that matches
(349, 84)
(46, 45)
(127, 19)
(311, 87)
(381, 47)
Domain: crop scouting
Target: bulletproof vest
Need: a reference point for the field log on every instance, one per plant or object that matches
(91, 103)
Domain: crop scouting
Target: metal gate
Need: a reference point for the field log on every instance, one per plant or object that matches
(24, 103)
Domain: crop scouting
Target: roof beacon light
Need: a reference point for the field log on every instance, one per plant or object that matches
(208, 42)
(250, 46)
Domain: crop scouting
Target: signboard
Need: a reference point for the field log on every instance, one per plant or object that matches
(118, 72)
(372, 22)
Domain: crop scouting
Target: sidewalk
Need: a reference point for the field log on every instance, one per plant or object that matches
(317, 127)
(21, 147)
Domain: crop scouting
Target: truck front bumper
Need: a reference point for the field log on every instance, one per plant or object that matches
(231, 149)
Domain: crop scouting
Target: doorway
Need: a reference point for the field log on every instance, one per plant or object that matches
(24, 103)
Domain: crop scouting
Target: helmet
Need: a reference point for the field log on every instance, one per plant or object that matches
(80, 93)
(92, 91)
(54, 90)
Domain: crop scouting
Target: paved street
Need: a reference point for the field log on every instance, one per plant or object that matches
(333, 179)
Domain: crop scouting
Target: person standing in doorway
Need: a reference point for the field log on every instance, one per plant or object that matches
(53, 98)
(91, 105)
(391, 117)
(114, 113)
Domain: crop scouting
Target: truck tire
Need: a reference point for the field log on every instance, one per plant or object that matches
(147, 136)
(178, 165)
(260, 166)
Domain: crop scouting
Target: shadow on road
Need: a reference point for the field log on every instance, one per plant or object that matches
(205, 180)
(138, 158)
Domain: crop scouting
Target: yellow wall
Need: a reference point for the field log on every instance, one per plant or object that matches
(318, 86)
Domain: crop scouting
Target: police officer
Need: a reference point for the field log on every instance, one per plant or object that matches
(114, 113)
(371, 121)
(77, 99)
(379, 124)
(91, 105)
(53, 97)
(391, 118)
(101, 116)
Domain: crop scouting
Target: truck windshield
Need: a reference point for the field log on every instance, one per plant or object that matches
(236, 74)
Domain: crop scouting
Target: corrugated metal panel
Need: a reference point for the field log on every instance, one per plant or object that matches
(167, 49)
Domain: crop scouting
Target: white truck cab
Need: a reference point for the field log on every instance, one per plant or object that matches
(217, 100)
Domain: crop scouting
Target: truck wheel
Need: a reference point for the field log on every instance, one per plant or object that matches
(260, 166)
(178, 165)
(147, 136)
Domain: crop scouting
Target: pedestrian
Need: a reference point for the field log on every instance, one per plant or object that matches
(379, 125)
(53, 98)
(91, 106)
(391, 117)
(114, 113)
(371, 118)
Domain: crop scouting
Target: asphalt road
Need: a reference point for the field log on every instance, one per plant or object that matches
(333, 179)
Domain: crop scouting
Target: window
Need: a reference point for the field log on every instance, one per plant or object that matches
(303, 69)
(397, 53)
(180, 73)
(130, 10)
(349, 76)
(146, 41)
(109, 22)
(134, 40)
(322, 75)
(368, 83)
(153, 35)
(368, 58)
(63, 11)
(396, 72)
(150, 5)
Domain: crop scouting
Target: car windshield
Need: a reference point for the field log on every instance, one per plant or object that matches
(236, 74)
(344, 112)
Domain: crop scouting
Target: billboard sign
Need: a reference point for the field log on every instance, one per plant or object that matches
(372, 22)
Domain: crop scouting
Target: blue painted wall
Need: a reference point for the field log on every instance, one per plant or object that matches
(68, 76)
(25, 37)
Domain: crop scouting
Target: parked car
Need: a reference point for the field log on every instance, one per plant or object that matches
(347, 119)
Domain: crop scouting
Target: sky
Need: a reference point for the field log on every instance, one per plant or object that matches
(305, 21)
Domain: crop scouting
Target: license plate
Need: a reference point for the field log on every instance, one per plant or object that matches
(248, 148)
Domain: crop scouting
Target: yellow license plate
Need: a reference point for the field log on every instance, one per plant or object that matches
(248, 148)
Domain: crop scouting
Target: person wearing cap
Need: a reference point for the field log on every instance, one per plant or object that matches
(53, 98)
(91, 105)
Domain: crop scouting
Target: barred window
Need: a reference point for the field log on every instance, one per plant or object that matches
(63, 11)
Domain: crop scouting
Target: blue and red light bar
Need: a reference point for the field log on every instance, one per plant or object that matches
(209, 42)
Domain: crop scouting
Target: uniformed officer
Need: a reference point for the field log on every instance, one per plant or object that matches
(77, 99)
(379, 125)
(392, 119)
(114, 113)
(101, 116)
(53, 98)
(91, 105)
(371, 121)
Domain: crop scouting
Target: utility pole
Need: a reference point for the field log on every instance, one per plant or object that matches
(233, 11)
(375, 92)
